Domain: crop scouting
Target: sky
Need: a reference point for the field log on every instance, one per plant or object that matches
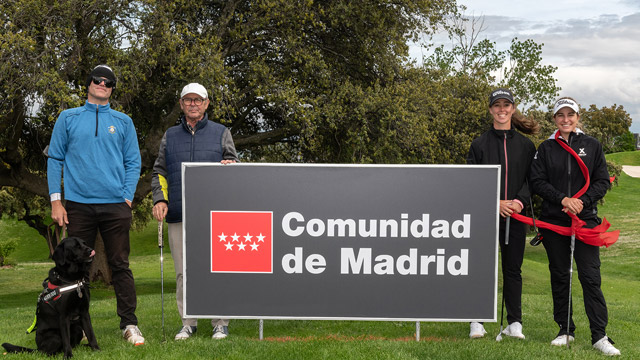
(594, 44)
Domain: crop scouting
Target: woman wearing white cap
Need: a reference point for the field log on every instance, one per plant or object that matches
(505, 146)
(559, 174)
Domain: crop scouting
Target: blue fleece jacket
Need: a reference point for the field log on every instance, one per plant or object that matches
(98, 149)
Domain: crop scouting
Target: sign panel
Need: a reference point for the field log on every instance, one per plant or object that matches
(360, 242)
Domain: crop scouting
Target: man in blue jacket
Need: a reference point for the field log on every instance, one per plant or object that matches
(96, 148)
(195, 139)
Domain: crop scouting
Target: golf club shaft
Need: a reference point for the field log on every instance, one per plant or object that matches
(572, 248)
(161, 246)
(506, 243)
(506, 230)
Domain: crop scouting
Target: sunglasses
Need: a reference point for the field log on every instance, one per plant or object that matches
(108, 83)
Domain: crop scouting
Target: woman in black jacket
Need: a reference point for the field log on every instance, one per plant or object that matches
(557, 176)
(503, 145)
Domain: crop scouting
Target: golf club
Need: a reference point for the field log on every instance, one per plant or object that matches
(499, 337)
(538, 238)
(506, 243)
(572, 247)
(161, 246)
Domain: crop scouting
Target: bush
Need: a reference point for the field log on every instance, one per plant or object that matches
(6, 248)
(614, 170)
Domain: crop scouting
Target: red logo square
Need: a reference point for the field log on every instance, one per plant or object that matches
(241, 241)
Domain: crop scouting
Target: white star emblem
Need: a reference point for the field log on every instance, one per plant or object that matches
(261, 237)
(254, 247)
(247, 237)
(229, 246)
(241, 246)
(235, 237)
(222, 237)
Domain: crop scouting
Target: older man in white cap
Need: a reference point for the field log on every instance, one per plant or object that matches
(212, 142)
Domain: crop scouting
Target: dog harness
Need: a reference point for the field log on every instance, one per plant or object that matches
(51, 293)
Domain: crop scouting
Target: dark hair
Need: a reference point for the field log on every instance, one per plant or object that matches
(525, 125)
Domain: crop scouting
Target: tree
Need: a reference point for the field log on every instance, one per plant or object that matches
(468, 72)
(272, 67)
(610, 125)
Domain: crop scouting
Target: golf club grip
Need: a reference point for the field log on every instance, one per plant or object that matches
(506, 231)
(160, 241)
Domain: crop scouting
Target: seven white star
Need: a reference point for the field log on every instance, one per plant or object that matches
(260, 237)
(254, 247)
(247, 238)
(229, 246)
(222, 237)
(235, 237)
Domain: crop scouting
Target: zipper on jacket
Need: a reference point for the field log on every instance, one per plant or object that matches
(569, 168)
(506, 166)
(96, 120)
(193, 136)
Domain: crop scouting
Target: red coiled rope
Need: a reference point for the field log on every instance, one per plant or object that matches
(597, 236)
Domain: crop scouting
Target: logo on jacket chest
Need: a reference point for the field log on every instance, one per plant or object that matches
(112, 129)
(582, 152)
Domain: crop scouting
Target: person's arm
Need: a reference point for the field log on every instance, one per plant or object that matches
(523, 196)
(599, 176)
(159, 185)
(229, 154)
(132, 163)
(56, 153)
(472, 156)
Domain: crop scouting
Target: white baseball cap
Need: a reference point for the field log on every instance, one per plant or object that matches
(194, 88)
(566, 103)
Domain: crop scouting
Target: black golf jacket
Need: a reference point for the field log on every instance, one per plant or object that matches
(555, 174)
(514, 152)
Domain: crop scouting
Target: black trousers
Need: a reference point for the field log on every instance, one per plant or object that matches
(512, 256)
(587, 259)
(114, 222)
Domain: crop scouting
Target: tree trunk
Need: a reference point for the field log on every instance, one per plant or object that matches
(100, 271)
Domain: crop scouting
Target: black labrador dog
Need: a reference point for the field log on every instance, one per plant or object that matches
(62, 314)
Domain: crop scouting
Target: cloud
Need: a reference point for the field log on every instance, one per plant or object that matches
(597, 57)
(594, 44)
(608, 40)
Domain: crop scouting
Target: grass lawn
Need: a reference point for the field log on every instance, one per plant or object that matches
(20, 285)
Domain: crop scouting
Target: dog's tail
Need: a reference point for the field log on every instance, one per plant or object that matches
(16, 349)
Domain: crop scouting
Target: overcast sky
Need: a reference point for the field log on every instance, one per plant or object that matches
(594, 44)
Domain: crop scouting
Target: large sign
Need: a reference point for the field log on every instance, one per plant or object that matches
(359, 242)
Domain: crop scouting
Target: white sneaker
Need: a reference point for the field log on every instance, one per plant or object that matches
(476, 330)
(561, 340)
(185, 332)
(220, 332)
(514, 330)
(132, 334)
(606, 347)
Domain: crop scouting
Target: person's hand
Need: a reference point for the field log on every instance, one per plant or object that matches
(572, 205)
(160, 210)
(59, 213)
(128, 202)
(225, 162)
(508, 207)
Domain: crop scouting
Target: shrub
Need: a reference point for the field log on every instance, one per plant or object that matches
(6, 248)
